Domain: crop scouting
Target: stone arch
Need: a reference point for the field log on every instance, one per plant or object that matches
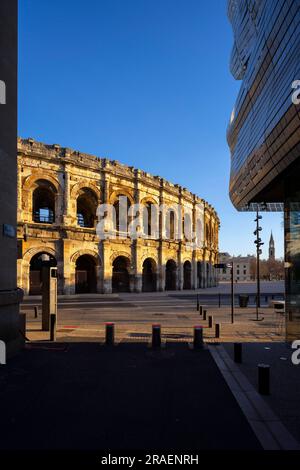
(149, 275)
(171, 275)
(120, 192)
(39, 249)
(116, 254)
(93, 254)
(187, 274)
(47, 183)
(73, 276)
(149, 199)
(87, 202)
(121, 274)
(40, 175)
(32, 268)
(150, 217)
(77, 187)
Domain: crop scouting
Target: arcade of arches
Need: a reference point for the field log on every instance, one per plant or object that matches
(59, 191)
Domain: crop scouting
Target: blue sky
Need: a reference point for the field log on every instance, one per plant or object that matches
(145, 82)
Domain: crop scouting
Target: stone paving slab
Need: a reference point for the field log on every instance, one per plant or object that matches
(284, 379)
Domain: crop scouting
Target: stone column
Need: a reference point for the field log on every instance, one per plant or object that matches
(194, 271)
(180, 268)
(19, 197)
(136, 243)
(161, 270)
(107, 266)
(10, 295)
(68, 269)
(67, 214)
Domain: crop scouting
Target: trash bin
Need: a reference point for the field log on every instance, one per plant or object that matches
(243, 300)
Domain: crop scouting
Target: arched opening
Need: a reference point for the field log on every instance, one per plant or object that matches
(187, 227)
(149, 275)
(120, 275)
(187, 275)
(43, 202)
(35, 271)
(170, 224)
(86, 208)
(199, 274)
(147, 213)
(171, 275)
(85, 275)
(121, 207)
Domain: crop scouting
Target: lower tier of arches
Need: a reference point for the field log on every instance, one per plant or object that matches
(85, 272)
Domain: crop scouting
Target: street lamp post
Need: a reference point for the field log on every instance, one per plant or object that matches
(232, 293)
(258, 244)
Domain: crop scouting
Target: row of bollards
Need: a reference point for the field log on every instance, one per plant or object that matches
(263, 370)
(210, 319)
(156, 336)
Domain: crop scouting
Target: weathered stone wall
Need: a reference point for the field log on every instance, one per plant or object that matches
(68, 172)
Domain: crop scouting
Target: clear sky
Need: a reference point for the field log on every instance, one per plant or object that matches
(145, 82)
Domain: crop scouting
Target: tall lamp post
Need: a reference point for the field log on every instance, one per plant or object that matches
(258, 244)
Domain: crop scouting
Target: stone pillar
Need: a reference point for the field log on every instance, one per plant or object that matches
(68, 269)
(136, 266)
(161, 269)
(10, 295)
(204, 277)
(107, 266)
(67, 214)
(19, 197)
(194, 271)
(180, 268)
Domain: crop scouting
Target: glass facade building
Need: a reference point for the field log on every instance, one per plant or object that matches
(264, 129)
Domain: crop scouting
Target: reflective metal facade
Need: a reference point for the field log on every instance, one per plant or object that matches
(264, 131)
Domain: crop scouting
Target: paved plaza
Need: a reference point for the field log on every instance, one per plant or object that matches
(133, 397)
(83, 318)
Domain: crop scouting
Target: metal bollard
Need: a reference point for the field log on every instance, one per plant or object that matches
(217, 330)
(52, 326)
(197, 302)
(156, 337)
(219, 300)
(237, 352)
(36, 309)
(204, 314)
(198, 337)
(22, 327)
(109, 334)
(210, 321)
(200, 309)
(264, 379)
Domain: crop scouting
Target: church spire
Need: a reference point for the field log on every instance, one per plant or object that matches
(271, 247)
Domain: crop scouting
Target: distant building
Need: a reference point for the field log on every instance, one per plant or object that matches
(241, 268)
(271, 248)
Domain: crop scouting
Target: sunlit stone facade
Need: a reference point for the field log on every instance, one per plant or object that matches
(59, 191)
